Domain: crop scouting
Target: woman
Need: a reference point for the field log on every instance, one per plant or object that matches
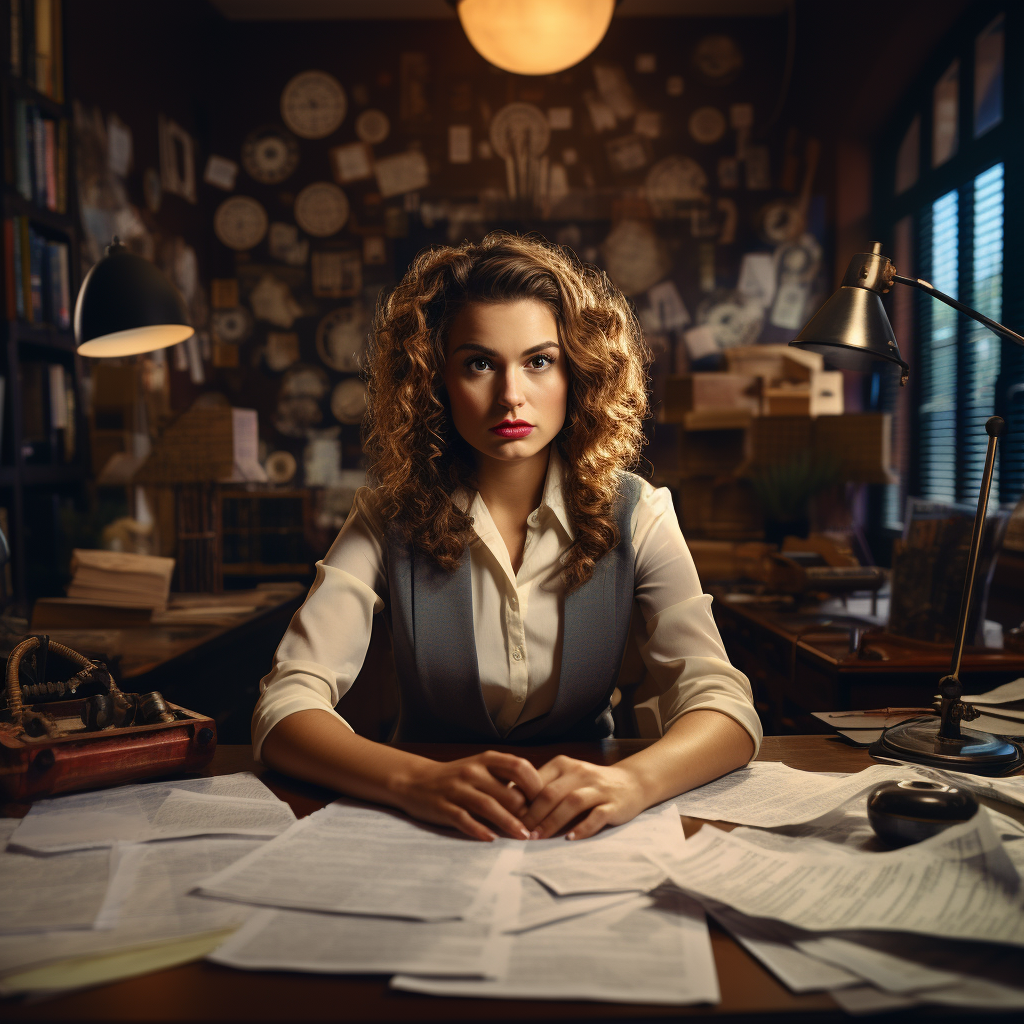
(507, 545)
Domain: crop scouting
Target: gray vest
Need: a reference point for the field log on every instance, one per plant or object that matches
(431, 622)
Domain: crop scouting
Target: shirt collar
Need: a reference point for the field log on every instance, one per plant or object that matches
(552, 498)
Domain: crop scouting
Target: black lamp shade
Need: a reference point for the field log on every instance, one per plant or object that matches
(126, 306)
(851, 330)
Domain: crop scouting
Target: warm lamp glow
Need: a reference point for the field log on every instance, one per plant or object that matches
(535, 37)
(136, 340)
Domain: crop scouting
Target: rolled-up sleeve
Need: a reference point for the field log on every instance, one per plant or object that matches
(325, 644)
(683, 652)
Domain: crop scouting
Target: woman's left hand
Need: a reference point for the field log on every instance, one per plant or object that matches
(611, 794)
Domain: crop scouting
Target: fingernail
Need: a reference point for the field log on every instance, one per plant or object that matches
(525, 834)
(535, 834)
(571, 835)
(491, 837)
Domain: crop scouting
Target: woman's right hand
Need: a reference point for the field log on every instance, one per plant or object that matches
(494, 786)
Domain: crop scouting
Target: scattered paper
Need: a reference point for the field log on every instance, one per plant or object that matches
(460, 144)
(292, 940)
(958, 884)
(769, 794)
(404, 172)
(84, 820)
(46, 893)
(352, 859)
(612, 861)
(647, 950)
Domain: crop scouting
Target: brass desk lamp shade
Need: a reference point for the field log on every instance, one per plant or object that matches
(853, 332)
(126, 306)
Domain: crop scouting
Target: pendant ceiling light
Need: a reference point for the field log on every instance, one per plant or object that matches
(126, 306)
(535, 37)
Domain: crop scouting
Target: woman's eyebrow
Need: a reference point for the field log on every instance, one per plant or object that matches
(474, 347)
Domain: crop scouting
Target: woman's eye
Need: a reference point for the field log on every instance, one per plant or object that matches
(478, 364)
(539, 362)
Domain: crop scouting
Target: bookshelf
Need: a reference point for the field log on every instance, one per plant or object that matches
(42, 445)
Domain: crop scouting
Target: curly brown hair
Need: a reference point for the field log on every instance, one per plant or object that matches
(416, 458)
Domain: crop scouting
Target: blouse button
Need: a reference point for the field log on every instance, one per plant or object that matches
(519, 700)
(517, 654)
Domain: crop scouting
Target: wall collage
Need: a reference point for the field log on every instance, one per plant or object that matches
(664, 160)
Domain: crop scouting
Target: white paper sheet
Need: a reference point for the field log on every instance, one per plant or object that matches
(769, 794)
(611, 861)
(125, 813)
(539, 906)
(958, 884)
(770, 943)
(349, 858)
(646, 950)
(147, 902)
(293, 940)
(43, 893)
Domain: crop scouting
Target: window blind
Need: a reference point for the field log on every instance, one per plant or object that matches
(938, 362)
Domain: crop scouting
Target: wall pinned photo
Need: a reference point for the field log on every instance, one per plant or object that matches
(221, 172)
(177, 159)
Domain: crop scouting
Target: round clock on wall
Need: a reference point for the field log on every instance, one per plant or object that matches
(373, 126)
(270, 155)
(313, 104)
(240, 222)
(321, 209)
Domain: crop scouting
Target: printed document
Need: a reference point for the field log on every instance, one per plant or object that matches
(349, 858)
(45, 893)
(129, 813)
(958, 884)
(295, 940)
(650, 949)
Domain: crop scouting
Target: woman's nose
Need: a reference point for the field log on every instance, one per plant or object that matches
(511, 391)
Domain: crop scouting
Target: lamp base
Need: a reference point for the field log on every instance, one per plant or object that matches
(977, 753)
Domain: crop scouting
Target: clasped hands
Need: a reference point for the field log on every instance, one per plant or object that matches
(518, 799)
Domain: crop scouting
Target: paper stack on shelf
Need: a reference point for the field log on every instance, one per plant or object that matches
(120, 579)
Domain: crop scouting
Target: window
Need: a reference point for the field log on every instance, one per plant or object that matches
(953, 167)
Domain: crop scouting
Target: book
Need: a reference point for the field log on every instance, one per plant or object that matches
(49, 167)
(10, 280)
(26, 279)
(16, 37)
(22, 160)
(36, 255)
(44, 47)
(57, 14)
(61, 300)
(120, 579)
(17, 263)
(62, 166)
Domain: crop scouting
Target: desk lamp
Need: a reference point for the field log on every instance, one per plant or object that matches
(852, 330)
(126, 306)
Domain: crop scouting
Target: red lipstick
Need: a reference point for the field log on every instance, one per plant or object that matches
(513, 429)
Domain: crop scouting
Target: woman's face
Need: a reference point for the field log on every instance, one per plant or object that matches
(507, 378)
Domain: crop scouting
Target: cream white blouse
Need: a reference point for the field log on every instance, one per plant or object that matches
(517, 618)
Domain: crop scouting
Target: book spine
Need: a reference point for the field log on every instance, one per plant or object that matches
(39, 168)
(28, 39)
(64, 282)
(26, 270)
(16, 37)
(50, 284)
(50, 156)
(19, 284)
(36, 257)
(58, 397)
(10, 297)
(57, 61)
(22, 167)
(62, 166)
(44, 47)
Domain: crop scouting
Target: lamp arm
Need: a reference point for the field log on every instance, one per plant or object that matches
(992, 325)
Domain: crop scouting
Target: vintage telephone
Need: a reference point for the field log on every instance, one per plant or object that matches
(53, 741)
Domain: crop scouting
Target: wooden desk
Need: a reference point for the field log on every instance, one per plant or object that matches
(207, 652)
(798, 664)
(206, 991)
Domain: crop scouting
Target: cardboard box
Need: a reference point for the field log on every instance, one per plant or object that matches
(774, 362)
(821, 395)
(716, 393)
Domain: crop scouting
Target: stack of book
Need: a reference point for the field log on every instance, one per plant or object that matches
(36, 34)
(120, 579)
(38, 275)
(40, 157)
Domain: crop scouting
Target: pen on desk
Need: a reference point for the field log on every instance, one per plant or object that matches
(881, 712)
